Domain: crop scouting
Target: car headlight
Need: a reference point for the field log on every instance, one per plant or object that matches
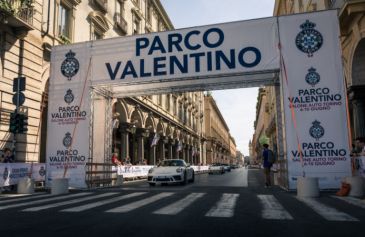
(150, 171)
(179, 170)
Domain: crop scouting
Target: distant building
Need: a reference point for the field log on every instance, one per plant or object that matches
(29, 29)
(220, 146)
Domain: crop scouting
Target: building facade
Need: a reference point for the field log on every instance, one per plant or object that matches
(220, 147)
(28, 31)
(351, 15)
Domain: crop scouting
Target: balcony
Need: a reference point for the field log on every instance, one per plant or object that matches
(121, 23)
(17, 14)
(101, 4)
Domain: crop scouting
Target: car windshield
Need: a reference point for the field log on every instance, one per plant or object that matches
(172, 163)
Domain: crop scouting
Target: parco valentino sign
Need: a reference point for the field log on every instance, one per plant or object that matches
(301, 50)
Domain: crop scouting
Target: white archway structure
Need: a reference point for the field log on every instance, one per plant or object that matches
(298, 54)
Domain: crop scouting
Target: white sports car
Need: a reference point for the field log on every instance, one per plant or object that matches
(171, 171)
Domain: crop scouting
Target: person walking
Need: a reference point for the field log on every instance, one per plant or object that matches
(268, 160)
(8, 157)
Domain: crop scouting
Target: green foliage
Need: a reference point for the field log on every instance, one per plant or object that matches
(15, 6)
(264, 140)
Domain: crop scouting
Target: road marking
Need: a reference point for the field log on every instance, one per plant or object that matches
(44, 200)
(15, 195)
(34, 196)
(352, 200)
(39, 208)
(224, 207)
(138, 204)
(326, 212)
(245, 177)
(272, 209)
(180, 205)
(101, 203)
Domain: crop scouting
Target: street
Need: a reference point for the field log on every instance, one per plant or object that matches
(233, 204)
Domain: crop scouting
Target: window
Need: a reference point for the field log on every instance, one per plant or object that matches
(180, 111)
(64, 21)
(149, 11)
(98, 25)
(96, 36)
(159, 100)
(136, 26)
(175, 106)
(137, 3)
(168, 102)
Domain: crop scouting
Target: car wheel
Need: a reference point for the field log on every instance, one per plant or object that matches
(192, 178)
(152, 184)
(185, 181)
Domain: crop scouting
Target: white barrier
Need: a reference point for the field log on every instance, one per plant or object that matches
(308, 187)
(12, 173)
(134, 171)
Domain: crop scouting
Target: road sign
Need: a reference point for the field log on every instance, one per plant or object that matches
(19, 84)
(18, 98)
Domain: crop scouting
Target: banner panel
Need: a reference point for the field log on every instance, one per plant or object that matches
(11, 173)
(205, 51)
(314, 99)
(69, 116)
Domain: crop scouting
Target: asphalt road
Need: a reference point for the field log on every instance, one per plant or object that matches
(232, 204)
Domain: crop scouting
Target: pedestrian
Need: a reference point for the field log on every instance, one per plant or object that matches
(115, 159)
(268, 160)
(8, 157)
(360, 146)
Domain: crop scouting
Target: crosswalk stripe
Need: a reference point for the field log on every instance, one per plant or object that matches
(224, 207)
(138, 204)
(44, 200)
(352, 200)
(272, 209)
(39, 208)
(101, 203)
(180, 205)
(326, 212)
(34, 196)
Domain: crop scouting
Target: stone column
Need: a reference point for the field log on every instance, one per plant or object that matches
(153, 155)
(170, 144)
(140, 151)
(183, 150)
(162, 149)
(124, 145)
(359, 123)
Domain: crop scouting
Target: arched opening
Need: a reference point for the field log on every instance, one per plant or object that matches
(357, 91)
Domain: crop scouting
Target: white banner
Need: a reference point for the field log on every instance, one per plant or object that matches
(68, 117)
(205, 51)
(314, 99)
(209, 57)
(142, 170)
(11, 173)
(132, 170)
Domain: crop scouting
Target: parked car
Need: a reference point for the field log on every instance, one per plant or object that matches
(226, 167)
(216, 168)
(171, 171)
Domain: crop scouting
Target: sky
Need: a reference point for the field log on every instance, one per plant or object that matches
(237, 106)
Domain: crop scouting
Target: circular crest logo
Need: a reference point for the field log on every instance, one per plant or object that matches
(42, 171)
(309, 40)
(69, 97)
(67, 140)
(70, 66)
(6, 174)
(312, 77)
(316, 130)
